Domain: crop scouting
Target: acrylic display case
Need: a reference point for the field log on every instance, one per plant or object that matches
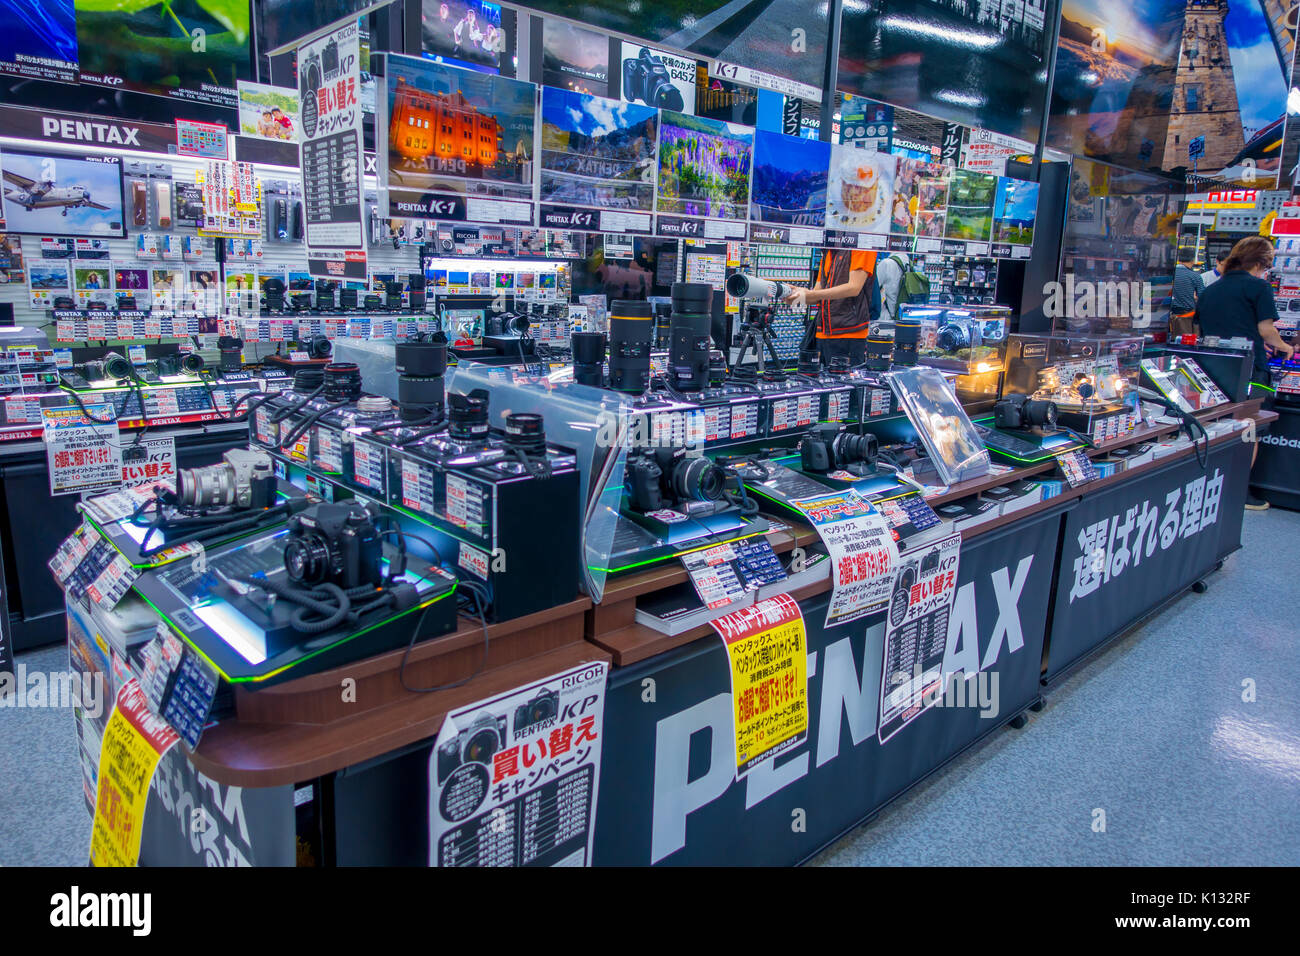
(968, 340)
(1092, 379)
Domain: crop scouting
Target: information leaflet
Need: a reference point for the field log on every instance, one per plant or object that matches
(767, 656)
(512, 779)
(916, 633)
(81, 454)
(864, 554)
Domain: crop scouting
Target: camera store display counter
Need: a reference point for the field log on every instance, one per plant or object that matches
(1029, 605)
(302, 771)
(30, 515)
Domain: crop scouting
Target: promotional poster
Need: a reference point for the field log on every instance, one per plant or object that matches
(703, 167)
(597, 152)
(38, 39)
(970, 206)
(790, 176)
(860, 193)
(62, 194)
(920, 198)
(268, 112)
(574, 59)
(657, 78)
(1014, 209)
(464, 33)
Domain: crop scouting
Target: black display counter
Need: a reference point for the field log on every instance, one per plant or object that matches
(33, 523)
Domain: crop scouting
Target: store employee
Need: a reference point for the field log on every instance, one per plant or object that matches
(843, 290)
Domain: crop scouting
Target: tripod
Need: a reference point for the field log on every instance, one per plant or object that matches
(756, 333)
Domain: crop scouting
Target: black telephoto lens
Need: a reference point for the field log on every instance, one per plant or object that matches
(524, 431)
(467, 418)
(810, 362)
(348, 298)
(689, 334)
(589, 358)
(342, 382)
(907, 333)
(631, 325)
(420, 397)
(393, 295)
(424, 359)
(232, 354)
(324, 295)
(416, 282)
(717, 372)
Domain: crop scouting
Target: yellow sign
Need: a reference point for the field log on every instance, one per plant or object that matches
(134, 741)
(767, 650)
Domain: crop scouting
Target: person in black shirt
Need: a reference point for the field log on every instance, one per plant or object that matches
(1241, 303)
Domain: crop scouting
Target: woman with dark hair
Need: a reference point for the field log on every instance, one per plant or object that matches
(1240, 303)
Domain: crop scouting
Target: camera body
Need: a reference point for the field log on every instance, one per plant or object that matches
(646, 79)
(952, 337)
(666, 478)
(477, 743)
(543, 707)
(243, 479)
(830, 447)
(1020, 412)
(335, 543)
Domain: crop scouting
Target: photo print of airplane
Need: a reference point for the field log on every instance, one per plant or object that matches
(62, 194)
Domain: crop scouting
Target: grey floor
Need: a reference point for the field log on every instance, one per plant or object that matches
(1154, 733)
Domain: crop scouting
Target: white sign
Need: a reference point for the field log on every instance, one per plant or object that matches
(151, 461)
(988, 152)
(864, 555)
(512, 779)
(82, 455)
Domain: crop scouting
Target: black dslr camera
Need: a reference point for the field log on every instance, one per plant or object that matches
(544, 705)
(646, 79)
(829, 447)
(335, 544)
(330, 57)
(1024, 413)
(663, 477)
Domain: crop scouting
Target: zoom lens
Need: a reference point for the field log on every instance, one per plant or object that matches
(810, 362)
(116, 366)
(213, 486)
(879, 350)
(232, 353)
(467, 418)
(1039, 414)
(907, 333)
(524, 432)
(422, 359)
(851, 448)
(192, 362)
(689, 335)
(588, 358)
(342, 382)
(631, 325)
(420, 398)
(698, 479)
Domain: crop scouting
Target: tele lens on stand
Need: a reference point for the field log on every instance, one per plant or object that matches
(689, 335)
(589, 358)
(631, 325)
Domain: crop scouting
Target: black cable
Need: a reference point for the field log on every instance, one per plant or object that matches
(305, 425)
(84, 411)
(423, 433)
(476, 591)
(418, 537)
(284, 413)
(389, 426)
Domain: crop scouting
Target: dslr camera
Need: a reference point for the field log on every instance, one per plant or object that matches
(242, 479)
(1020, 412)
(477, 743)
(335, 543)
(829, 447)
(646, 79)
(544, 705)
(660, 478)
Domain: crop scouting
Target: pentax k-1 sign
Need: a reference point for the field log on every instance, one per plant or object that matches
(329, 92)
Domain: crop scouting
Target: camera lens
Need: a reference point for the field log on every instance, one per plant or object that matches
(524, 431)
(589, 358)
(419, 397)
(839, 365)
(852, 448)
(307, 559)
(374, 405)
(692, 297)
(879, 350)
(697, 479)
(115, 366)
(393, 295)
(232, 354)
(688, 335)
(342, 382)
(952, 337)
(467, 418)
(1039, 413)
(308, 379)
(192, 362)
(810, 362)
(907, 333)
(208, 487)
(423, 359)
(717, 372)
(631, 325)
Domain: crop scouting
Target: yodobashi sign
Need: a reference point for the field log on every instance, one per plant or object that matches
(667, 783)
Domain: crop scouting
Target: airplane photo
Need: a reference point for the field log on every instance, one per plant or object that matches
(46, 195)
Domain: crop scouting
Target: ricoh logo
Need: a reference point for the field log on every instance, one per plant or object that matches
(1085, 299)
(1280, 442)
(104, 910)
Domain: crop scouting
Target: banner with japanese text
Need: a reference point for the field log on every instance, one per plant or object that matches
(329, 93)
(863, 553)
(512, 779)
(82, 449)
(767, 653)
(134, 741)
(916, 633)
